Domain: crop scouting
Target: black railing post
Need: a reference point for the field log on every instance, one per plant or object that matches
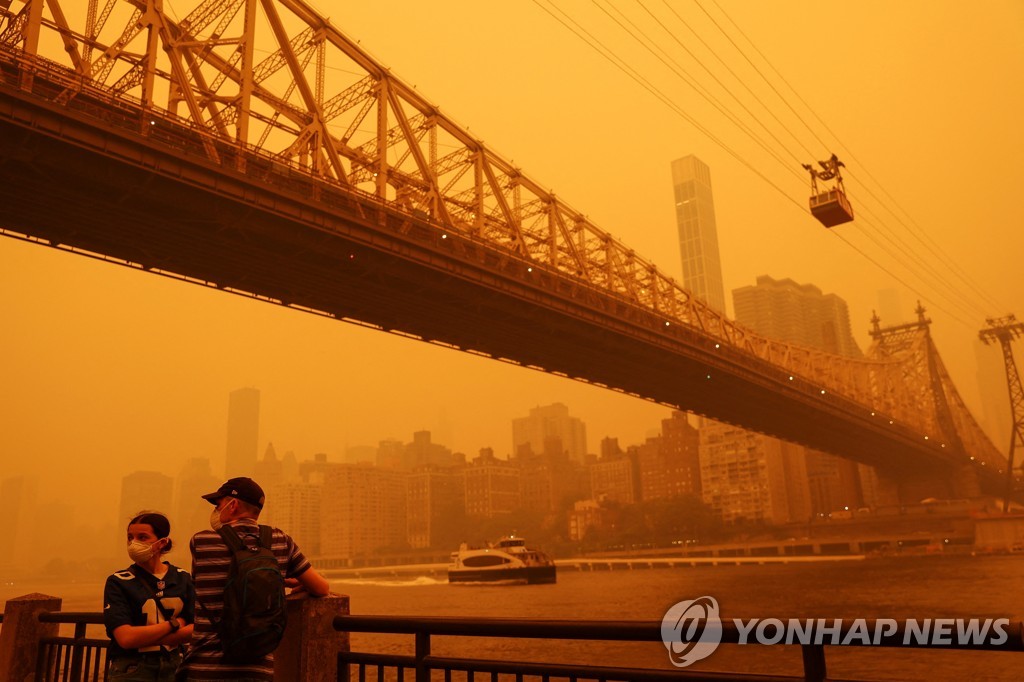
(76, 653)
(814, 662)
(422, 651)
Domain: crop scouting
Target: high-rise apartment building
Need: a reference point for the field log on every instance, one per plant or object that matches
(743, 477)
(435, 501)
(537, 433)
(491, 486)
(295, 506)
(362, 510)
(796, 313)
(615, 478)
(243, 432)
(815, 482)
(698, 233)
(669, 464)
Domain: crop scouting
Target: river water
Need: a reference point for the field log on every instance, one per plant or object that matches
(897, 588)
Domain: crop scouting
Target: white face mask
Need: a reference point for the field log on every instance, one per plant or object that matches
(215, 521)
(141, 552)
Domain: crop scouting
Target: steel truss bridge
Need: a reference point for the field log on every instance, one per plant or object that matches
(214, 148)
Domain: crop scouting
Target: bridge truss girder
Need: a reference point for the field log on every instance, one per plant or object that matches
(364, 130)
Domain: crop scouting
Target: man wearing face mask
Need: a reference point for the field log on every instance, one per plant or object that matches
(238, 504)
(147, 608)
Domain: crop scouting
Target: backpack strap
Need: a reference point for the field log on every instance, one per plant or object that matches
(267, 537)
(230, 537)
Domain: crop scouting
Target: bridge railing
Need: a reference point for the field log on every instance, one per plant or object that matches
(423, 666)
(74, 659)
(33, 647)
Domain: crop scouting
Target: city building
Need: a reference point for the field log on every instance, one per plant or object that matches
(191, 511)
(421, 452)
(491, 486)
(615, 478)
(146, 491)
(535, 433)
(796, 313)
(362, 510)
(18, 505)
(698, 233)
(800, 314)
(587, 515)
(295, 507)
(436, 500)
(743, 477)
(243, 432)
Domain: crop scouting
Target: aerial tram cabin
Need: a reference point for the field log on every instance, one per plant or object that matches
(830, 207)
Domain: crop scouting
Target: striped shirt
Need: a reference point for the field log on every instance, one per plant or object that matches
(211, 560)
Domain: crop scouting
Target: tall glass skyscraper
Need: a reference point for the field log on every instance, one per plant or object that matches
(698, 235)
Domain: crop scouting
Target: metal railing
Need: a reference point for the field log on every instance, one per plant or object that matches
(423, 666)
(72, 659)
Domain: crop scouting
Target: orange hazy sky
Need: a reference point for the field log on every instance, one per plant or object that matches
(106, 370)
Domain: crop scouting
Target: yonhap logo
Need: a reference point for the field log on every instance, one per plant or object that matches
(691, 630)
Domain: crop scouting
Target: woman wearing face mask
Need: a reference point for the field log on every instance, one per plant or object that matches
(148, 608)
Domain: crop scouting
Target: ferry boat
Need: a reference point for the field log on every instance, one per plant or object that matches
(508, 560)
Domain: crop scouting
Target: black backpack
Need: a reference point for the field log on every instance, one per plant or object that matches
(253, 620)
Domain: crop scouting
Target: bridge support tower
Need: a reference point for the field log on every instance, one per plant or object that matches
(1004, 330)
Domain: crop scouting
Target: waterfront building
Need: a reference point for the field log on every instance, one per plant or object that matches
(743, 477)
(435, 501)
(698, 232)
(615, 478)
(801, 314)
(587, 515)
(534, 433)
(550, 481)
(669, 464)
(491, 486)
(294, 506)
(362, 510)
(243, 432)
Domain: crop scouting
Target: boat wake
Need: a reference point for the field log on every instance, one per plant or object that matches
(418, 581)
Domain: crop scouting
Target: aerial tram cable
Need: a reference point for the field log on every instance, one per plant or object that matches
(727, 67)
(831, 208)
(675, 108)
(699, 62)
(964, 305)
(896, 277)
(936, 251)
(702, 91)
(633, 73)
(961, 299)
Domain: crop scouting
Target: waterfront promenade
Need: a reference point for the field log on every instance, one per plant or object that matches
(881, 588)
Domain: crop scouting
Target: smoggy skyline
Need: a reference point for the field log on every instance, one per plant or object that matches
(108, 370)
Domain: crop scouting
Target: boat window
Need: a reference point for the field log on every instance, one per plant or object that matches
(484, 560)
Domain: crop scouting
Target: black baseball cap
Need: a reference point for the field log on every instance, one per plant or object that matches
(241, 488)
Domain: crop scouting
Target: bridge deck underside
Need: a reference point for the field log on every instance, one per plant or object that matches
(70, 181)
